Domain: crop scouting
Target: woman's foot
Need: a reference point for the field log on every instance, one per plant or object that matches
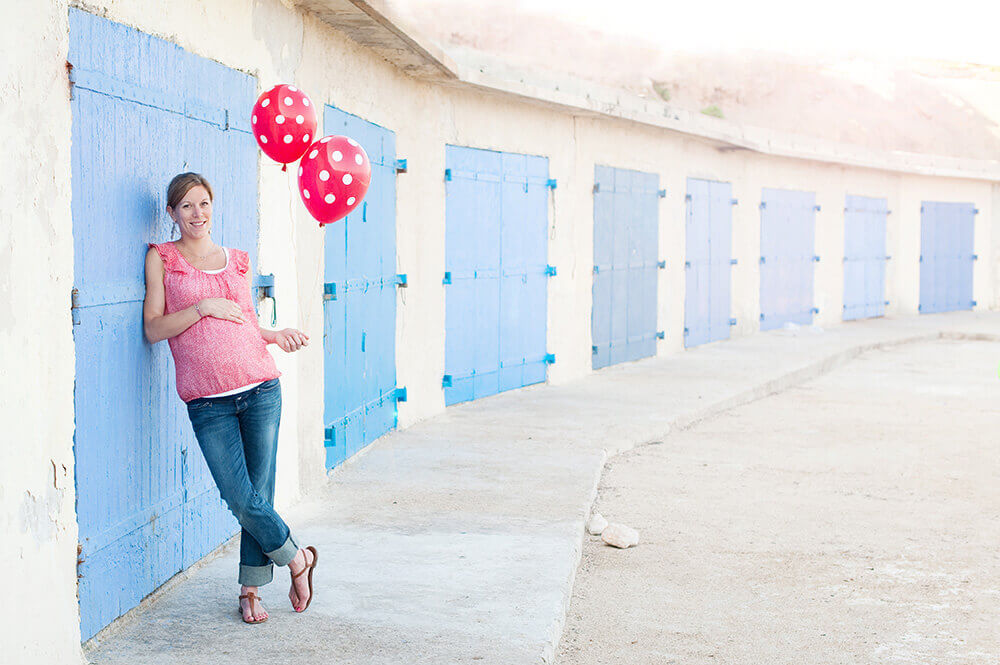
(299, 593)
(253, 611)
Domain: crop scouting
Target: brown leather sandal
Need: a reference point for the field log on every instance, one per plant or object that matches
(301, 572)
(252, 596)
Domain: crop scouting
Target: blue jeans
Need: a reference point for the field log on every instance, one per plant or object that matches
(238, 435)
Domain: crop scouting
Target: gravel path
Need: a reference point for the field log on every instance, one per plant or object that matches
(853, 519)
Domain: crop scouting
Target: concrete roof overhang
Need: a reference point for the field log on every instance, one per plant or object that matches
(376, 25)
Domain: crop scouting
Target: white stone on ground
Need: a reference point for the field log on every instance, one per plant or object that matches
(596, 525)
(620, 535)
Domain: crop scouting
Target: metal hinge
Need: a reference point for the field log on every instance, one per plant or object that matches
(550, 271)
(447, 174)
(597, 187)
(330, 291)
(401, 280)
(661, 264)
(400, 166)
(732, 262)
(732, 322)
(399, 394)
(660, 334)
(734, 201)
(447, 278)
(551, 183)
(446, 381)
(549, 358)
(75, 306)
(662, 193)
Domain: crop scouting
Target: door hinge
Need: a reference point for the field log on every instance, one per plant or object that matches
(447, 278)
(330, 291)
(400, 166)
(549, 359)
(660, 334)
(401, 280)
(446, 381)
(399, 394)
(447, 174)
(662, 193)
(75, 306)
(550, 271)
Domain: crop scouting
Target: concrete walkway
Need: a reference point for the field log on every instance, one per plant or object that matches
(457, 540)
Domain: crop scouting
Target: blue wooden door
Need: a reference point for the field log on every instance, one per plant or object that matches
(143, 110)
(864, 257)
(359, 302)
(946, 256)
(626, 236)
(496, 216)
(787, 230)
(707, 268)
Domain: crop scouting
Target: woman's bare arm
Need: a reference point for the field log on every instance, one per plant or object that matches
(157, 325)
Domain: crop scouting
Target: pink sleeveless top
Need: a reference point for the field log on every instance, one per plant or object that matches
(214, 355)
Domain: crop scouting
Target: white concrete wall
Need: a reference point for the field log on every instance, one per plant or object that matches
(278, 44)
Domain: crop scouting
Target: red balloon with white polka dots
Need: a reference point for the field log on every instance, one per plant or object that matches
(284, 123)
(333, 178)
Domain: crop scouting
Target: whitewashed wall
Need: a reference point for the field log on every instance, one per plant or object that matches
(278, 44)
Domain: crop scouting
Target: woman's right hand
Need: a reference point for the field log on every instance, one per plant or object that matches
(221, 308)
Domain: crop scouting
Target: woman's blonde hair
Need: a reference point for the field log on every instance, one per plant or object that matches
(182, 183)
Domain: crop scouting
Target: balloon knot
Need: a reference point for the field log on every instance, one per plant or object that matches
(284, 167)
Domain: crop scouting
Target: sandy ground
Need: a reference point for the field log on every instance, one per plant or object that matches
(853, 519)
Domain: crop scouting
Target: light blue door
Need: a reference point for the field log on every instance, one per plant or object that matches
(496, 216)
(707, 268)
(946, 256)
(864, 257)
(143, 110)
(359, 302)
(787, 229)
(626, 236)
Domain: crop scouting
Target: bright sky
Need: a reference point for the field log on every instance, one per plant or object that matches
(963, 30)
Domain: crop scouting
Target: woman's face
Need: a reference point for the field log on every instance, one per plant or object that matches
(194, 213)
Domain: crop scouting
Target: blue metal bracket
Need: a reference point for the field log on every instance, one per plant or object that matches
(660, 334)
(763, 204)
(265, 289)
(732, 322)
(597, 269)
(816, 259)
(593, 349)
(661, 264)
(732, 262)
(662, 193)
(686, 332)
(597, 187)
(975, 211)
(265, 285)
(975, 257)
(401, 280)
(921, 258)
(549, 358)
(817, 208)
(687, 197)
(447, 278)
(550, 271)
(330, 291)
(734, 201)
(814, 310)
(687, 264)
(551, 183)
(399, 394)
(886, 303)
(446, 381)
(328, 436)
(762, 316)
(762, 260)
(974, 303)
(919, 307)
(447, 174)
(400, 166)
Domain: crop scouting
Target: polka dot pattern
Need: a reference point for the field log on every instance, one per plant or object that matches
(333, 178)
(277, 136)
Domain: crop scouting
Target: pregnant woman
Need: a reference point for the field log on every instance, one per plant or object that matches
(198, 298)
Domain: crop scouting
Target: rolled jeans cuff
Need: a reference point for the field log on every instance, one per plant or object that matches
(256, 575)
(284, 554)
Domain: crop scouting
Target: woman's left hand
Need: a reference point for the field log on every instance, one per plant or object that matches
(291, 339)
